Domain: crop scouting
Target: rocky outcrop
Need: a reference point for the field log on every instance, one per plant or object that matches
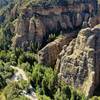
(37, 23)
(48, 55)
(39, 27)
(93, 21)
(78, 64)
(21, 30)
(77, 6)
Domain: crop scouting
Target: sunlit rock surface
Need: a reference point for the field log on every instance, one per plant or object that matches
(78, 64)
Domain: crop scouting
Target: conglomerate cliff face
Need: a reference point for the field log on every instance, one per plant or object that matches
(79, 63)
(43, 21)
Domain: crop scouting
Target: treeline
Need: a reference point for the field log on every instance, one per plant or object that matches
(44, 79)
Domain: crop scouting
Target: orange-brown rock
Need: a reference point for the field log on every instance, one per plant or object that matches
(14, 11)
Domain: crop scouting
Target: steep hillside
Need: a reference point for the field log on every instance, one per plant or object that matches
(33, 23)
(80, 61)
(55, 44)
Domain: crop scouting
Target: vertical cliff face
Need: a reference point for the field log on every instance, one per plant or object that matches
(78, 63)
(21, 30)
(52, 20)
(48, 55)
(76, 57)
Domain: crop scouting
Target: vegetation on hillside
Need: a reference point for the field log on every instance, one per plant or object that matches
(44, 79)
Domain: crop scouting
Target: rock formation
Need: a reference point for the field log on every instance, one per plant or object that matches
(48, 55)
(75, 56)
(62, 6)
(52, 20)
(21, 30)
(39, 27)
(93, 21)
(78, 64)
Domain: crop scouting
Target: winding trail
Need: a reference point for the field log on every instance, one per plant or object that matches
(21, 75)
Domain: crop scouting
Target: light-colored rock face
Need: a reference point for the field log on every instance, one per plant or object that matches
(78, 63)
(48, 55)
(38, 28)
(21, 27)
(51, 20)
(21, 30)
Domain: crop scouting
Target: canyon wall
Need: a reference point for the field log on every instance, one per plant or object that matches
(43, 21)
(48, 55)
(78, 64)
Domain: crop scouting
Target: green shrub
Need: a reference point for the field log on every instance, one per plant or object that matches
(13, 90)
(27, 57)
(95, 98)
